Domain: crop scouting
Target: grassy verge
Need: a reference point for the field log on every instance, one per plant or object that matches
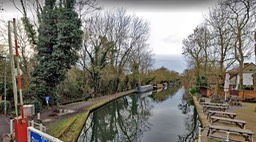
(60, 126)
(68, 128)
(72, 133)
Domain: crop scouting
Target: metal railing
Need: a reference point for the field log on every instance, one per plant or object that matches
(31, 123)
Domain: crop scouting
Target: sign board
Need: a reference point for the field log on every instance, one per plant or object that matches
(247, 79)
(29, 110)
(35, 135)
(226, 85)
(47, 98)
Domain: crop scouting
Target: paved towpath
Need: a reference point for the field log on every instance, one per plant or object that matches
(4, 126)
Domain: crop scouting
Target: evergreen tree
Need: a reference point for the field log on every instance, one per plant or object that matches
(69, 34)
(58, 42)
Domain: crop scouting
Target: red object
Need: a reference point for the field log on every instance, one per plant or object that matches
(21, 126)
(22, 111)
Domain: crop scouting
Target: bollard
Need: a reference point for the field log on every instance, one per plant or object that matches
(11, 126)
(227, 140)
(38, 116)
(199, 134)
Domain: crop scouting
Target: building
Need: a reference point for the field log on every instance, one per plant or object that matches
(248, 70)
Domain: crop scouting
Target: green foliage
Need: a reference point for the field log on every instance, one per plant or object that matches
(248, 87)
(46, 72)
(30, 31)
(202, 81)
(58, 42)
(193, 90)
(134, 81)
(38, 105)
(8, 107)
(69, 35)
(149, 80)
(71, 89)
(9, 92)
(162, 75)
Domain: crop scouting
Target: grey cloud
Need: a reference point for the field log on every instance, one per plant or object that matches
(174, 39)
(172, 62)
(160, 4)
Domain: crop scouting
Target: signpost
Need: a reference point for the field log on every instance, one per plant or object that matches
(47, 98)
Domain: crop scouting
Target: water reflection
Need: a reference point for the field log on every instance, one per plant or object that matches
(191, 120)
(163, 116)
(124, 120)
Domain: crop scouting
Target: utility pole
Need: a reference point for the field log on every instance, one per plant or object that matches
(12, 69)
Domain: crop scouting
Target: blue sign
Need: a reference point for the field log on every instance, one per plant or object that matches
(47, 98)
(34, 137)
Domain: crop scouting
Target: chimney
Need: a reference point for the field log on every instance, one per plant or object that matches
(245, 64)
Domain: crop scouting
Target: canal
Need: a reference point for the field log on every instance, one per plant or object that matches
(167, 116)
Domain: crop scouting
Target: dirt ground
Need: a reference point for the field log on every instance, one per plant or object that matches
(246, 112)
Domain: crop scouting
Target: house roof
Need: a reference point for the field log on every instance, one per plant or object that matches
(233, 72)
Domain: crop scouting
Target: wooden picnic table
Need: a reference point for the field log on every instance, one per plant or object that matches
(216, 104)
(247, 134)
(239, 123)
(209, 107)
(231, 115)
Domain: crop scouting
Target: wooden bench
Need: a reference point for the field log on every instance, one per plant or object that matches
(239, 123)
(216, 104)
(225, 113)
(247, 134)
(208, 107)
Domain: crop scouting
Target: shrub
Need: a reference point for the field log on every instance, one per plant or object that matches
(8, 107)
(192, 90)
(38, 106)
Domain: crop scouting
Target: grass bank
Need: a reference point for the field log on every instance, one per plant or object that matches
(68, 127)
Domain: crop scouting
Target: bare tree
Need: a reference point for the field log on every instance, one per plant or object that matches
(192, 53)
(218, 21)
(122, 34)
(240, 21)
(25, 51)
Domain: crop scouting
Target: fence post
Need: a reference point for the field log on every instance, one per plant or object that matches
(41, 127)
(227, 140)
(199, 134)
(11, 126)
(32, 123)
(38, 116)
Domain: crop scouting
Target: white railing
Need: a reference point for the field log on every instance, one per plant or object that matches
(38, 126)
(31, 123)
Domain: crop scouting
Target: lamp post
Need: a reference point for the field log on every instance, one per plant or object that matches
(4, 57)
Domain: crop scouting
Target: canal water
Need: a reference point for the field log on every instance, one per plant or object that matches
(167, 116)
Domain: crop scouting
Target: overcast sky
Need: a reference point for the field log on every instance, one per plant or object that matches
(170, 22)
